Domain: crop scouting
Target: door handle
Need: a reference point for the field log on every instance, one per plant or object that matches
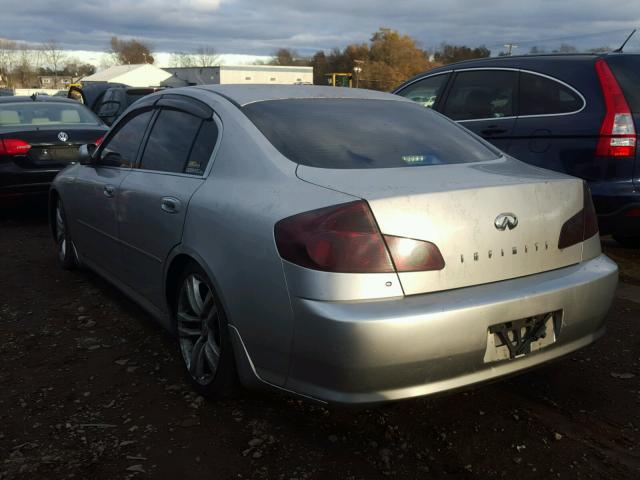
(493, 131)
(109, 190)
(170, 204)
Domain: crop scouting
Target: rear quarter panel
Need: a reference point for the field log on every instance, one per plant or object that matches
(230, 226)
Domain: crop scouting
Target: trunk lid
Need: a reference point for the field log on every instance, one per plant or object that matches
(456, 207)
(47, 149)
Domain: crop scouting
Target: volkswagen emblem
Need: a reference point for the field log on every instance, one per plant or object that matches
(506, 220)
(63, 137)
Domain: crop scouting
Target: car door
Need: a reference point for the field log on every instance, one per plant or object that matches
(484, 101)
(96, 193)
(548, 133)
(156, 194)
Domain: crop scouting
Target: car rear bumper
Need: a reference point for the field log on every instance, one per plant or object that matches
(26, 182)
(376, 351)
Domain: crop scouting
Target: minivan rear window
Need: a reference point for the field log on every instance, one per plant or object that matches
(352, 133)
(626, 69)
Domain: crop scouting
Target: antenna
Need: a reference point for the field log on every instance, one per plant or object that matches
(619, 50)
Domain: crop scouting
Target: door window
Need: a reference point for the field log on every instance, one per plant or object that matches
(121, 149)
(170, 141)
(544, 96)
(426, 91)
(482, 94)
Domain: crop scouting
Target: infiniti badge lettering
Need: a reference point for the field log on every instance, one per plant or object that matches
(506, 220)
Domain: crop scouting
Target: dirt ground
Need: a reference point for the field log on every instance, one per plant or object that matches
(92, 388)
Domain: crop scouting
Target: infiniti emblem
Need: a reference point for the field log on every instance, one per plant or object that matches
(506, 220)
(63, 137)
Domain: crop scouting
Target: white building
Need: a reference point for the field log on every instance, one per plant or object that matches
(226, 74)
(143, 75)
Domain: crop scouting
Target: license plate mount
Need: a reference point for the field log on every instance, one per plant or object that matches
(517, 338)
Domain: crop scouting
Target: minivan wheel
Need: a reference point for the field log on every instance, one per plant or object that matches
(628, 241)
(203, 335)
(64, 245)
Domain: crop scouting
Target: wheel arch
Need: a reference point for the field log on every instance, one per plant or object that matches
(51, 211)
(179, 258)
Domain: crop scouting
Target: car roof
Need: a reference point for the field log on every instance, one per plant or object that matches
(36, 98)
(242, 95)
(513, 61)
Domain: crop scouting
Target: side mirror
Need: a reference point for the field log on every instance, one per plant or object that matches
(85, 154)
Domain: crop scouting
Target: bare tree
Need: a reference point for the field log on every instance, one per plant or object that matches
(131, 51)
(181, 59)
(55, 56)
(8, 54)
(207, 57)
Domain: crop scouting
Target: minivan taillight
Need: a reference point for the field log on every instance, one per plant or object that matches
(345, 238)
(582, 226)
(13, 146)
(617, 133)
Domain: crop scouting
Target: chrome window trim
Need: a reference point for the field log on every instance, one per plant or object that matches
(509, 69)
(397, 92)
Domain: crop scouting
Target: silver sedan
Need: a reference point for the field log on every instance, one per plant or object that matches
(344, 245)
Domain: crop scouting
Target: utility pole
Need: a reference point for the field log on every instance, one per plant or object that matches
(357, 69)
(510, 46)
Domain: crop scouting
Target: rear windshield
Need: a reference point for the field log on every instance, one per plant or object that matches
(358, 134)
(626, 68)
(45, 113)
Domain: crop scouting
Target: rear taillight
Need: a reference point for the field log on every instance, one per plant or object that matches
(618, 133)
(13, 146)
(582, 226)
(411, 255)
(98, 141)
(346, 239)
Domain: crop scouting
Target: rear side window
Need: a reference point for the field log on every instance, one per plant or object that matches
(170, 141)
(202, 148)
(45, 113)
(482, 94)
(426, 91)
(626, 69)
(362, 133)
(544, 96)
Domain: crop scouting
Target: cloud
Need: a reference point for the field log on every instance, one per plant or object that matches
(259, 26)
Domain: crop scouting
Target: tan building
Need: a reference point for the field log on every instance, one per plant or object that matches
(51, 81)
(227, 74)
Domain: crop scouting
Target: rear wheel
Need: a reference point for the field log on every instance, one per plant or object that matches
(203, 335)
(628, 241)
(66, 253)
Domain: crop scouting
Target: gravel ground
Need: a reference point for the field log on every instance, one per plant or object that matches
(92, 388)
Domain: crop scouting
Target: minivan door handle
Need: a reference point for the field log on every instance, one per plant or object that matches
(109, 190)
(493, 131)
(170, 205)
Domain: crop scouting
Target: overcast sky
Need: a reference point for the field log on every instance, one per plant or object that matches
(258, 27)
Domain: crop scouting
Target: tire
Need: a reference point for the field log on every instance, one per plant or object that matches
(64, 246)
(203, 335)
(629, 242)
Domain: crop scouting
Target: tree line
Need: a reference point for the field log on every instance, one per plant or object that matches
(388, 59)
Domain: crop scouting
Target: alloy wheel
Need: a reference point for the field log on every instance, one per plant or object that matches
(199, 329)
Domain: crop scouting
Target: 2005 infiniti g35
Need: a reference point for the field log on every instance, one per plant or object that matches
(345, 245)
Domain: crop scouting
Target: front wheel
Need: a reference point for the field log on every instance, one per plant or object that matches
(66, 254)
(203, 335)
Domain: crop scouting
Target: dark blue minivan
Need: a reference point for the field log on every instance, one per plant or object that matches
(577, 114)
